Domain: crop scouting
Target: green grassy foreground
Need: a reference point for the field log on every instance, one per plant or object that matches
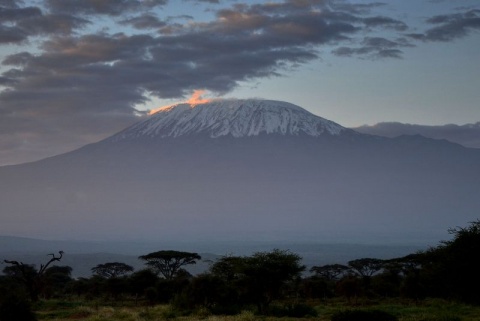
(428, 310)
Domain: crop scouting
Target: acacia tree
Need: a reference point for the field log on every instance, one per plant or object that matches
(322, 284)
(112, 269)
(366, 267)
(260, 278)
(267, 274)
(29, 276)
(452, 269)
(169, 262)
(330, 272)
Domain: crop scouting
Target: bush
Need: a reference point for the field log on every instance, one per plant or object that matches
(15, 308)
(442, 318)
(151, 295)
(245, 316)
(231, 309)
(298, 310)
(362, 315)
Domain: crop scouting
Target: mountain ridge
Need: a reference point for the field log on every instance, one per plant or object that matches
(467, 135)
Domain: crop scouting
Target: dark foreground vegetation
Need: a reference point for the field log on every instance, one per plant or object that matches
(442, 283)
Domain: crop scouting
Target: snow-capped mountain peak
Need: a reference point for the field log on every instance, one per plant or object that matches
(237, 118)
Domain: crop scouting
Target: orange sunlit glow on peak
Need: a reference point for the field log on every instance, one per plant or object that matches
(195, 99)
(155, 110)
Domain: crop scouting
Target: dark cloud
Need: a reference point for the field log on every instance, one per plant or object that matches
(10, 35)
(368, 52)
(356, 8)
(9, 3)
(374, 48)
(17, 24)
(57, 24)
(467, 135)
(10, 18)
(145, 21)
(102, 7)
(16, 14)
(450, 27)
(243, 43)
(5, 81)
(19, 59)
(205, 1)
(385, 22)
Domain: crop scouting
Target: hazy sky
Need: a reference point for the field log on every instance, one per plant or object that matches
(75, 71)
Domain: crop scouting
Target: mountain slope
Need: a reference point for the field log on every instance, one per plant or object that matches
(161, 180)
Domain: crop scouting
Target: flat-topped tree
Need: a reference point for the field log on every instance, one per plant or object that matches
(366, 267)
(168, 263)
(112, 270)
(331, 272)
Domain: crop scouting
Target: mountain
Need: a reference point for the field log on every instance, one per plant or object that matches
(236, 118)
(468, 135)
(244, 170)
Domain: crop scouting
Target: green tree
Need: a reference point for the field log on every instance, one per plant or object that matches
(262, 277)
(451, 269)
(322, 283)
(140, 281)
(330, 272)
(32, 278)
(366, 267)
(56, 279)
(15, 308)
(350, 287)
(409, 273)
(112, 269)
(169, 263)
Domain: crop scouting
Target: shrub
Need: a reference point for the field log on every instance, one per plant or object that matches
(245, 316)
(151, 295)
(442, 318)
(363, 315)
(231, 309)
(15, 308)
(298, 310)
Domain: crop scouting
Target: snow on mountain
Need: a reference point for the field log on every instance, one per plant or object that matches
(238, 118)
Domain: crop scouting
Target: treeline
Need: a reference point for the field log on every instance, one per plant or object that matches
(272, 282)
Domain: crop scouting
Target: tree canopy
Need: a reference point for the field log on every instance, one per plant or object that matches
(112, 269)
(29, 275)
(330, 272)
(168, 263)
(262, 277)
(453, 266)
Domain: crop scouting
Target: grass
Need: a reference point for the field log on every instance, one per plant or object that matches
(428, 310)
